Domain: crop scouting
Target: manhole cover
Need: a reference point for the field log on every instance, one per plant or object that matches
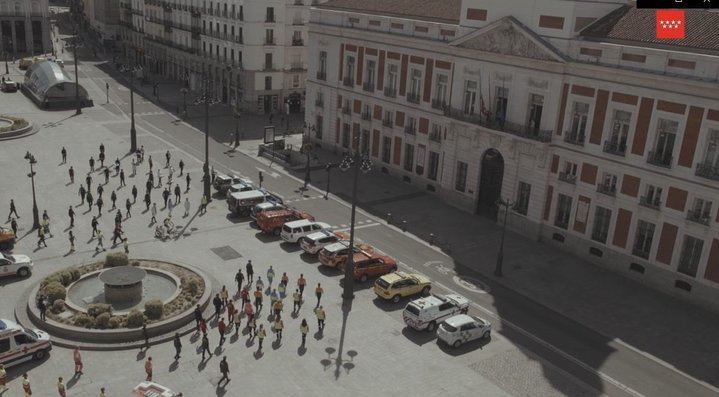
(226, 253)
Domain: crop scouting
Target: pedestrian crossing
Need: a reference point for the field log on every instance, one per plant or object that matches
(304, 199)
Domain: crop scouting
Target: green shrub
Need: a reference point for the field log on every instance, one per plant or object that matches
(114, 322)
(75, 273)
(66, 277)
(83, 320)
(58, 306)
(102, 320)
(135, 319)
(135, 263)
(193, 286)
(96, 309)
(153, 309)
(115, 259)
(54, 291)
(51, 278)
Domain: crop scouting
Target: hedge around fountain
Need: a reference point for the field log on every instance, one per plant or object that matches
(18, 127)
(104, 327)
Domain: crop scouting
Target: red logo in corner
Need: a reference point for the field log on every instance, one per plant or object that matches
(670, 24)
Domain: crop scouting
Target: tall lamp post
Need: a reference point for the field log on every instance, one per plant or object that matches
(77, 81)
(307, 148)
(507, 204)
(184, 91)
(133, 132)
(359, 162)
(328, 168)
(35, 215)
(206, 99)
(7, 69)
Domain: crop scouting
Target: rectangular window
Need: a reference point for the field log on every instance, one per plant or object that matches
(345, 136)
(460, 177)
(564, 211)
(470, 97)
(411, 127)
(268, 61)
(323, 62)
(608, 185)
(440, 90)
(408, 157)
(369, 74)
(270, 14)
(711, 156)
(536, 105)
(364, 142)
(653, 196)
(643, 239)
(578, 126)
(691, 254)
(415, 82)
(269, 36)
(295, 81)
(392, 77)
(664, 145)
(500, 104)
(620, 130)
(349, 71)
(388, 119)
(268, 82)
(700, 211)
(432, 165)
(523, 192)
(386, 149)
(318, 126)
(602, 218)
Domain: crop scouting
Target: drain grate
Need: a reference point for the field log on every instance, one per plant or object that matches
(226, 253)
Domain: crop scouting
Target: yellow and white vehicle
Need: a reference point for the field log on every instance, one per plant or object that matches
(398, 285)
(19, 344)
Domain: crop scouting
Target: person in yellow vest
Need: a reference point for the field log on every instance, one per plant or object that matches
(279, 326)
(61, 387)
(3, 378)
(296, 300)
(26, 385)
(224, 295)
(304, 329)
(261, 335)
(320, 313)
(281, 289)
(102, 392)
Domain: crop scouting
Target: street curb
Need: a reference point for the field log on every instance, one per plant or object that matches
(21, 133)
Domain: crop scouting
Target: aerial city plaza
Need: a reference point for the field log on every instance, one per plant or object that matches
(359, 198)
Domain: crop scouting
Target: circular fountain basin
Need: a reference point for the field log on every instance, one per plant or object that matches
(123, 289)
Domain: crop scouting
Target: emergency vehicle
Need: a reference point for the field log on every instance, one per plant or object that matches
(272, 221)
(19, 344)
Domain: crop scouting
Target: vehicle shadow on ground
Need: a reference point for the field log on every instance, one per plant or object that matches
(290, 247)
(266, 238)
(388, 305)
(465, 348)
(418, 337)
(329, 271)
(307, 258)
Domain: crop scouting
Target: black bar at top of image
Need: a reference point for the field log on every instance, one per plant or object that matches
(678, 4)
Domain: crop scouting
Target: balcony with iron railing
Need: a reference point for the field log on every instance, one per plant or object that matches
(435, 136)
(387, 123)
(298, 22)
(410, 129)
(660, 159)
(368, 86)
(413, 97)
(270, 19)
(700, 217)
(654, 203)
(269, 41)
(520, 130)
(238, 39)
(707, 170)
(298, 42)
(321, 75)
(319, 103)
(367, 116)
(297, 66)
(609, 189)
(574, 138)
(348, 81)
(641, 251)
(390, 92)
(616, 148)
(346, 110)
(439, 103)
(568, 178)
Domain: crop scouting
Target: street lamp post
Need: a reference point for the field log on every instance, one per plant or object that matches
(183, 90)
(328, 168)
(35, 215)
(507, 204)
(133, 132)
(307, 147)
(206, 99)
(7, 69)
(359, 163)
(77, 81)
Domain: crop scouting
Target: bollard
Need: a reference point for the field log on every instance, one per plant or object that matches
(389, 218)
(431, 239)
(404, 226)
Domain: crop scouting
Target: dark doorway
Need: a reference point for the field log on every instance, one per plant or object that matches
(295, 102)
(267, 104)
(490, 183)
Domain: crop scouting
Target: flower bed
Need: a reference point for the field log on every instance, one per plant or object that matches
(17, 124)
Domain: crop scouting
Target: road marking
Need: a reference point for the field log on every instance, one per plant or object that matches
(270, 173)
(344, 228)
(471, 284)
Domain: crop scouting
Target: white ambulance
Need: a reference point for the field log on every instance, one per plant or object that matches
(18, 344)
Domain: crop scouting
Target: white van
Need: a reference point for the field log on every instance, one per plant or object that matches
(241, 203)
(18, 344)
(293, 231)
(427, 312)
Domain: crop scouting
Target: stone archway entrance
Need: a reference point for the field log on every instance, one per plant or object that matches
(490, 183)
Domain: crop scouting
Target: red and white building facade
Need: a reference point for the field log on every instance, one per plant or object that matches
(605, 139)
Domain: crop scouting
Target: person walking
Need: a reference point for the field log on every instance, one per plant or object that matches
(100, 239)
(261, 335)
(92, 164)
(225, 295)
(3, 379)
(82, 192)
(203, 205)
(149, 163)
(88, 182)
(41, 237)
(63, 153)
(147, 201)
(250, 272)
(304, 330)
(13, 226)
(61, 387)
(128, 206)
(252, 326)
(165, 196)
(187, 181)
(13, 210)
(187, 206)
(203, 326)
(102, 148)
(113, 198)
(245, 295)
(273, 297)
(258, 299)
(134, 167)
(42, 306)
(134, 194)
(94, 223)
(260, 284)
(230, 312)
(145, 335)
(217, 302)
(321, 315)
(90, 201)
(149, 184)
(167, 157)
(125, 245)
(178, 345)
(26, 385)
(198, 317)
(99, 206)
(77, 358)
(106, 172)
(148, 369)
(282, 289)
(318, 293)
(249, 312)
(225, 370)
(117, 166)
(301, 283)
(102, 392)
(159, 179)
(182, 166)
(284, 280)
(101, 157)
(169, 175)
(239, 277)
(154, 213)
(122, 178)
(279, 326)
(100, 189)
(205, 346)
(270, 276)
(296, 301)
(178, 193)
(71, 237)
(71, 173)
(71, 214)
(221, 328)
(277, 308)
(238, 322)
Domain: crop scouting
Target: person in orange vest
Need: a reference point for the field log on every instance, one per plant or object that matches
(61, 387)
(258, 299)
(301, 282)
(78, 360)
(278, 308)
(318, 293)
(230, 311)
(321, 315)
(148, 369)
(222, 328)
(26, 385)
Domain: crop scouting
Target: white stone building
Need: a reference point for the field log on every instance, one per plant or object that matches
(103, 17)
(24, 28)
(605, 138)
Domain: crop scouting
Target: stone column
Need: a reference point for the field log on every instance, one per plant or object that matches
(14, 38)
(29, 43)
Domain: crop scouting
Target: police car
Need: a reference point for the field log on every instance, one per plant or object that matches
(458, 330)
(313, 243)
(11, 265)
(19, 344)
(425, 313)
